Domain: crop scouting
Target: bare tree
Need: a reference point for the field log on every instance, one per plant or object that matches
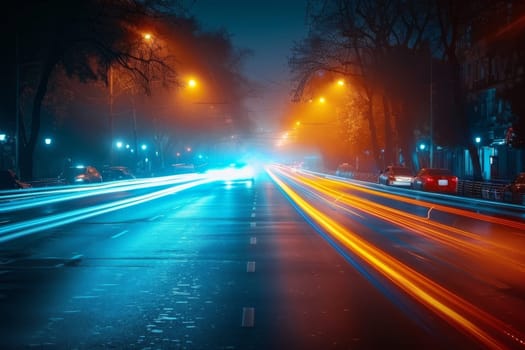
(454, 21)
(84, 38)
(369, 42)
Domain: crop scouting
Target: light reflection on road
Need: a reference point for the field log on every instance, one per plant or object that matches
(487, 328)
(10, 231)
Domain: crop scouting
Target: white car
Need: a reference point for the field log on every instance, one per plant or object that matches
(396, 176)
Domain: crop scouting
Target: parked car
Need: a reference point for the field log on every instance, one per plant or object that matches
(183, 168)
(515, 191)
(115, 173)
(345, 170)
(435, 180)
(9, 180)
(81, 175)
(396, 176)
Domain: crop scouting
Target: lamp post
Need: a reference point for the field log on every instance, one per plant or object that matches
(147, 37)
(119, 145)
(477, 139)
(3, 138)
(431, 150)
(110, 78)
(17, 111)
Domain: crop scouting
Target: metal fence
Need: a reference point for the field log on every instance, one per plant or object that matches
(493, 191)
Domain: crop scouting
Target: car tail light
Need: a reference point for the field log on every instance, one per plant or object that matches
(428, 178)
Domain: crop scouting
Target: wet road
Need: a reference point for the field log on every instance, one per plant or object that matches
(218, 267)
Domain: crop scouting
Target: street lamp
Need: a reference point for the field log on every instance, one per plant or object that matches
(48, 141)
(192, 83)
(477, 139)
(148, 38)
(3, 139)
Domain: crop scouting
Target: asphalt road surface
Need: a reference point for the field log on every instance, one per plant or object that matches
(213, 267)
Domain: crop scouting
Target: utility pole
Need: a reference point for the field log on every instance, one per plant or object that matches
(17, 109)
(431, 154)
(111, 115)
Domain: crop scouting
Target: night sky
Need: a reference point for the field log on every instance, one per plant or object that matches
(268, 28)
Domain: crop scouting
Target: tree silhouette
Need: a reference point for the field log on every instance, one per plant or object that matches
(84, 38)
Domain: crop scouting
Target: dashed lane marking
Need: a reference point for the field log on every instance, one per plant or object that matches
(119, 234)
(248, 316)
(155, 217)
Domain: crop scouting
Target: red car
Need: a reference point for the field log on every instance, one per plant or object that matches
(435, 180)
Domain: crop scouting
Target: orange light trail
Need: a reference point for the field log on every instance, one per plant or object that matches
(450, 307)
(422, 226)
(422, 203)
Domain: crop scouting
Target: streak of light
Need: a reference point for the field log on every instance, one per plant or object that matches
(21, 229)
(466, 241)
(48, 195)
(418, 202)
(434, 206)
(450, 307)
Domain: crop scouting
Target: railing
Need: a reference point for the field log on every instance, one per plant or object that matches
(493, 191)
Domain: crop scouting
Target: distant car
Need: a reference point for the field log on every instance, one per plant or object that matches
(183, 168)
(237, 171)
(344, 170)
(116, 173)
(435, 180)
(9, 180)
(81, 175)
(515, 191)
(396, 176)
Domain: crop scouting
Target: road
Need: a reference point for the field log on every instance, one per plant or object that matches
(292, 262)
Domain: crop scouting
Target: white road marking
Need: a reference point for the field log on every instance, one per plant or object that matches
(119, 234)
(155, 217)
(253, 224)
(248, 316)
(250, 266)
(85, 297)
(253, 240)
(253, 215)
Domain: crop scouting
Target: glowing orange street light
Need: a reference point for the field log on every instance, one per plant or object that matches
(147, 36)
(322, 99)
(341, 82)
(192, 83)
